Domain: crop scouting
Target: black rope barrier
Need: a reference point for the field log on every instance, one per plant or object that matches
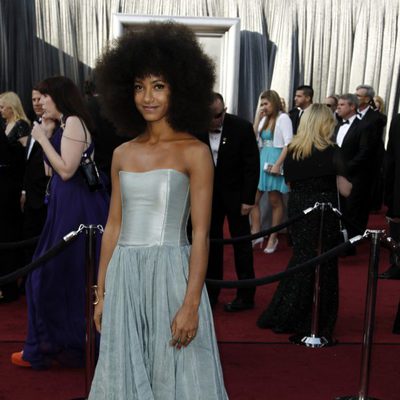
(247, 283)
(16, 245)
(268, 231)
(66, 240)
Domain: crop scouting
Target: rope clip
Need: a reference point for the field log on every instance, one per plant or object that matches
(72, 234)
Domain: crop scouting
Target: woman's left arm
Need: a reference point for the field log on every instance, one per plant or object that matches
(73, 144)
(185, 324)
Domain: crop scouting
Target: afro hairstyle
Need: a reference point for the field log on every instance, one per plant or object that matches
(166, 49)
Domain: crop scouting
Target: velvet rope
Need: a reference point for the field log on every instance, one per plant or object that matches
(16, 245)
(265, 232)
(67, 239)
(248, 283)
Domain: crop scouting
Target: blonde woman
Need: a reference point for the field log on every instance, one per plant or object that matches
(379, 104)
(312, 167)
(274, 132)
(14, 130)
(17, 124)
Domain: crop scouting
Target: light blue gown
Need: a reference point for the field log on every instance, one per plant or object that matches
(270, 154)
(145, 286)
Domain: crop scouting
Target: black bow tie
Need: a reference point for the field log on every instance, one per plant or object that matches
(216, 131)
(345, 122)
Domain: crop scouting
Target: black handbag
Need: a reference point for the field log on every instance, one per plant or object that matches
(89, 170)
(90, 173)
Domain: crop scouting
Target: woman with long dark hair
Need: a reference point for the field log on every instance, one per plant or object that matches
(56, 290)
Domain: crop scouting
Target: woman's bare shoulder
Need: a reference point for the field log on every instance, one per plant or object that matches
(196, 152)
(124, 150)
(126, 147)
(188, 140)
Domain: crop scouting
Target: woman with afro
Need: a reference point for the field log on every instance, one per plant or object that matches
(157, 333)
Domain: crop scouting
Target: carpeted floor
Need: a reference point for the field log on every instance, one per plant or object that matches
(258, 364)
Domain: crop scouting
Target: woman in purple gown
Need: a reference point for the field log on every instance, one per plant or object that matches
(56, 290)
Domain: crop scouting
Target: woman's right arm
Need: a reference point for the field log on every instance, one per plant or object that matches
(110, 235)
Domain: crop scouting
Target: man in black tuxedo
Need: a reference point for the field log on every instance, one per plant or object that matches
(354, 142)
(392, 195)
(237, 168)
(303, 99)
(374, 122)
(34, 185)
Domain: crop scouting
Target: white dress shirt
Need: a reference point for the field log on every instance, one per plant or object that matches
(361, 113)
(31, 143)
(215, 140)
(342, 132)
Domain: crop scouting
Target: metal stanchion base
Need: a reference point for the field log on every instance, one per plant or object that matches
(355, 398)
(312, 341)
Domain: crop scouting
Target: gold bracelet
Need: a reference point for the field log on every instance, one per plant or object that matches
(96, 295)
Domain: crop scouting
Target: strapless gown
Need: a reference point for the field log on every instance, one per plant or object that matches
(145, 286)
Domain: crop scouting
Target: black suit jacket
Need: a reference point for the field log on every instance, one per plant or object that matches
(374, 122)
(392, 169)
(35, 180)
(294, 115)
(238, 167)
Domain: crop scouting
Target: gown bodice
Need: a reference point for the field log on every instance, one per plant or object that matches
(266, 134)
(155, 208)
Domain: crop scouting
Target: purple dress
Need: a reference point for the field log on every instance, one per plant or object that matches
(55, 291)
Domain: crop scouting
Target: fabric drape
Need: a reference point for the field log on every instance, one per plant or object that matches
(333, 45)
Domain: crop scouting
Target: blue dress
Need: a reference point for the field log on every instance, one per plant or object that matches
(55, 291)
(270, 154)
(145, 286)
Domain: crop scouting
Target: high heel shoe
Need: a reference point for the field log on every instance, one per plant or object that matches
(271, 249)
(259, 241)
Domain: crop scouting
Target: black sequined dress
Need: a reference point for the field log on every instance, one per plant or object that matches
(312, 180)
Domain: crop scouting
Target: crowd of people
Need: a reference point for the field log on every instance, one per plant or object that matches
(190, 160)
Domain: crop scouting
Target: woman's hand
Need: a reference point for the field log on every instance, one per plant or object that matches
(184, 326)
(98, 314)
(48, 125)
(275, 170)
(43, 130)
(344, 186)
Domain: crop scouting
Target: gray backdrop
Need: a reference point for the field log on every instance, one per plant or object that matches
(334, 45)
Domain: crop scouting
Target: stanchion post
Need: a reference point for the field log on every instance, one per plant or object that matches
(314, 340)
(316, 296)
(369, 318)
(90, 345)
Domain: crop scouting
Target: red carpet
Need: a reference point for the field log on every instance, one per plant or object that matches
(258, 364)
